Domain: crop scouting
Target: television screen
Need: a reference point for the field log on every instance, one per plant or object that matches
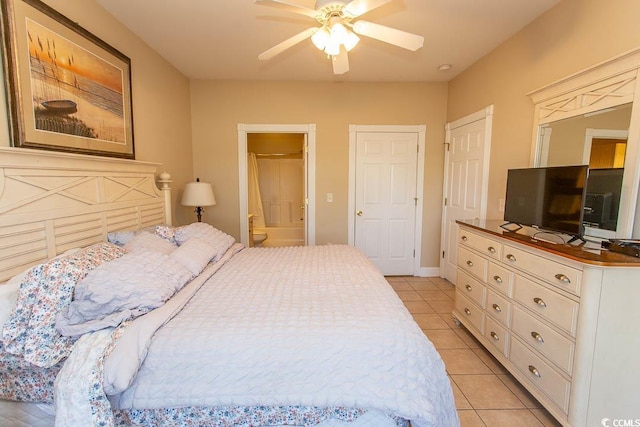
(548, 198)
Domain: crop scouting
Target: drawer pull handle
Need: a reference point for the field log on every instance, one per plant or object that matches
(468, 287)
(537, 337)
(497, 308)
(491, 249)
(464, 238)
(511, 258)
(495, 336)
(534, 371)
(498, 279)
(466, 310)
(470, 263)
(563, 278)
(540, 302)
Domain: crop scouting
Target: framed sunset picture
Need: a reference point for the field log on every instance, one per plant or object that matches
(67, 89)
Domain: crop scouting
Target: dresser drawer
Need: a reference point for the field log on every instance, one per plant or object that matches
(473, 263)
(560, 275)
(470, 311)
(480, 243)
(540, 374)
(500, 278)
(548, 304)
(471, 287)
(551, 344)
(497, 335)
(498, 307)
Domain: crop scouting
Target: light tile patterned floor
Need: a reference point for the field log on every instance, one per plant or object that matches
(486, 394)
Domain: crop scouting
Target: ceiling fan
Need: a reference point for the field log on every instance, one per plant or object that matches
(338, 31)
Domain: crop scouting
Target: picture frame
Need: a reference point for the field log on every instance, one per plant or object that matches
(67, 90)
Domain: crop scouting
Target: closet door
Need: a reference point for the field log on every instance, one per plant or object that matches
(386, 169)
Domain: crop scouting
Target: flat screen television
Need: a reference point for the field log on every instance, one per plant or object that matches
(550, 198)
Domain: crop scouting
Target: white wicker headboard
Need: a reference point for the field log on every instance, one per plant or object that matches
(51, 202)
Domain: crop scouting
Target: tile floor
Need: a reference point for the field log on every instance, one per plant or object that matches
(486, 394)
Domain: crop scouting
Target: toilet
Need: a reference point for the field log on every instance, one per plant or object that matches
(259, 236)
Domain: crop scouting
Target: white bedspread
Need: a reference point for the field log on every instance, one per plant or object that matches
(315, 326)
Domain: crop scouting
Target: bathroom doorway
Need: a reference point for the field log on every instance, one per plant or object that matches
(277, 181)
(276, 188)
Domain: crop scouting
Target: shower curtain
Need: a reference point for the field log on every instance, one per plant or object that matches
(255, 200)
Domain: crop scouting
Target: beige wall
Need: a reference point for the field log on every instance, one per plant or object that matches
(161, 99)
(218, 107)
(572, 36)
(191, 127)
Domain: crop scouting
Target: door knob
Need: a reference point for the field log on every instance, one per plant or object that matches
(359, 213)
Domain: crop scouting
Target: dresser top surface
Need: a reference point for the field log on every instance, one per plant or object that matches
(577, 252)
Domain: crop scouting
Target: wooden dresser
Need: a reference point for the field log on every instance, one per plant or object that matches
(564, 320)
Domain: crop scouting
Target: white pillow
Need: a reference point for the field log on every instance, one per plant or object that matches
(145, 240)
(201, 230)
(8, 297)
(194, 254)
(123, 237)
(124, 288)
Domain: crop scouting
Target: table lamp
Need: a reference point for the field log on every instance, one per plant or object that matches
(198, 194)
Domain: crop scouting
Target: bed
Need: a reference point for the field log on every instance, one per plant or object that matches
(114, 317)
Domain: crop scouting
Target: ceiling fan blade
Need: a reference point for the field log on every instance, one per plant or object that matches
(389, 35)
(359, 7)
(340, 62)
(289, 7)
(290, 42)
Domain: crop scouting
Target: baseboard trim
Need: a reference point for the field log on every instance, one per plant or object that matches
(428, 272)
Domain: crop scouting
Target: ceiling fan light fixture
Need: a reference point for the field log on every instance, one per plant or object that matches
(320, 38)
(338, 31)
(332, 36)
(333, 47)
(350, 41)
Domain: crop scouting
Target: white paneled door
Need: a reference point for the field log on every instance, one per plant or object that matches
(466, 180)
(385, 199)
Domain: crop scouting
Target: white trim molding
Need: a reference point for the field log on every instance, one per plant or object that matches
(484, 114)
(310, 131)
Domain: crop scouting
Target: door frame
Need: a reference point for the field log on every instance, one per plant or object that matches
(485, 113)
(351, 204)
(595, 133)
(310, 174)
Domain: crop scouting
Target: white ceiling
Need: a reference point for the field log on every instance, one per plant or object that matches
(221, 39)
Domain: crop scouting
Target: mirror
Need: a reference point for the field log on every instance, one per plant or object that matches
(593, 117)
(598, 139)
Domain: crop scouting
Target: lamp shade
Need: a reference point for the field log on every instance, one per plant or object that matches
(198, 194)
